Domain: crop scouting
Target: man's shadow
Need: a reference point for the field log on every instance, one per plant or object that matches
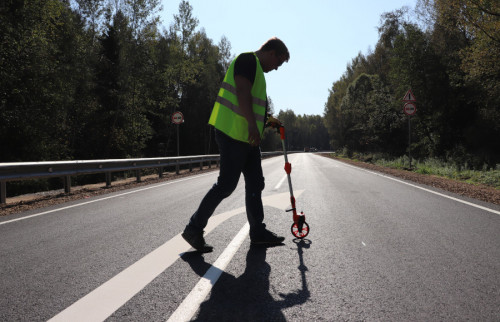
(247, 297)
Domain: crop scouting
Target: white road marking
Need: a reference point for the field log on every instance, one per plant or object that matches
(280, 200)
(99, 304)
(428, 190)
(280, 183)
(363, 243)
(105, 198)
(192, 302)
(285, 176)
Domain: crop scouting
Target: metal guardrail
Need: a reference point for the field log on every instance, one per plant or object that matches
(18, 171)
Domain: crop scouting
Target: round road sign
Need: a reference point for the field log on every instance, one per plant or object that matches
(177, 118)
(410, 108)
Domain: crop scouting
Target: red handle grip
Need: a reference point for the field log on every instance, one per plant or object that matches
(282, 132)
(288, 167)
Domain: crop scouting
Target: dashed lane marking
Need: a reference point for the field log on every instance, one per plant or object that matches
(280, 183)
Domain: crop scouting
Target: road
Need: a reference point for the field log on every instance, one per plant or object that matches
(380, 249)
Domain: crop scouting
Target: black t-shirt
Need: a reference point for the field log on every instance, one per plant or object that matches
(246, 65)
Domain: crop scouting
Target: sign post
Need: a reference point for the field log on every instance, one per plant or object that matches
(409, 108)
(177, 119)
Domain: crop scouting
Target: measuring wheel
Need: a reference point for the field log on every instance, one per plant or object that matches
(300, 232)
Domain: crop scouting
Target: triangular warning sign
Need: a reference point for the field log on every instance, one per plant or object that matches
(409, 97)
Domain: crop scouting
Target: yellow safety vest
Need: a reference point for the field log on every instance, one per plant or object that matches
(227, 115)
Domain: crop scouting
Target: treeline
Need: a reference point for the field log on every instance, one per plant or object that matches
(449, 56)
(302, 132)
(91, 79)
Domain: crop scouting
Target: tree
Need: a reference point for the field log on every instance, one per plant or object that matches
(469, 34)
(96, 79)
(93, 11)
(199, 95)
(334, 117)
(38, 74)
(119, 129)
(480, 23)
(225, 53)
(142, 15)
(451, 65)
(184, 23)
(188, 73)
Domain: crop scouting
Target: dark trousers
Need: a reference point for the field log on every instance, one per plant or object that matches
(235, 158)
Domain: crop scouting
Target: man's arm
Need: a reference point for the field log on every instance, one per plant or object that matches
(244, 94)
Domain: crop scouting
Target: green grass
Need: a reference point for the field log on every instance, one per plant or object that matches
(439, 168)
(490, 177)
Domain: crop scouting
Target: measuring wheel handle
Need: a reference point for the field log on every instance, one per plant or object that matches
(300, 228)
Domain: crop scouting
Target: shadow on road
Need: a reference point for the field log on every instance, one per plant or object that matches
(248, 297)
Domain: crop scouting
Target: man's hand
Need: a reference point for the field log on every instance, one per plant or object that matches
(273, 122)
(253, 134)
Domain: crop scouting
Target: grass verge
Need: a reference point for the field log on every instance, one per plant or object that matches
(431, 166)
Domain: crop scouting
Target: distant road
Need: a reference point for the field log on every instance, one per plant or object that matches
(380, 248)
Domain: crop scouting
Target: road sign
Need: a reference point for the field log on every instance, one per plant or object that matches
(409, 97)
(177, 118)
(410, 108)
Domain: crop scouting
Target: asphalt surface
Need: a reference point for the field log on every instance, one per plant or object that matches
(379, 249)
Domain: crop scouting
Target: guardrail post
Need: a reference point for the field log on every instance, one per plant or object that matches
(210, 164)
(67, 184)
(177, 167)
(190, 165)
(201, 165)
(160, 172)
(3, 192)
(138, 175)
(108, 179)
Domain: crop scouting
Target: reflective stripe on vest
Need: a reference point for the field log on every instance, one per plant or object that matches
(235, 108)
(232, 89)
(227, 115)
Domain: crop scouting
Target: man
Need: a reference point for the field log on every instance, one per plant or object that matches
(239, 115)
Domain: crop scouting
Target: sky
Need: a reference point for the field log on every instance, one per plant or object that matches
(322, 36)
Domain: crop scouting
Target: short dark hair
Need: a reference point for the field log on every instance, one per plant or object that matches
(278, 46)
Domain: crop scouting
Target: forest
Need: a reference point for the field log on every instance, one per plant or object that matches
(97, 79)
(93, 79)
(448, 54)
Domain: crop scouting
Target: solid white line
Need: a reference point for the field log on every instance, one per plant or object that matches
(428, 190)
(192, 302)
(99, 304)
(105, 198)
